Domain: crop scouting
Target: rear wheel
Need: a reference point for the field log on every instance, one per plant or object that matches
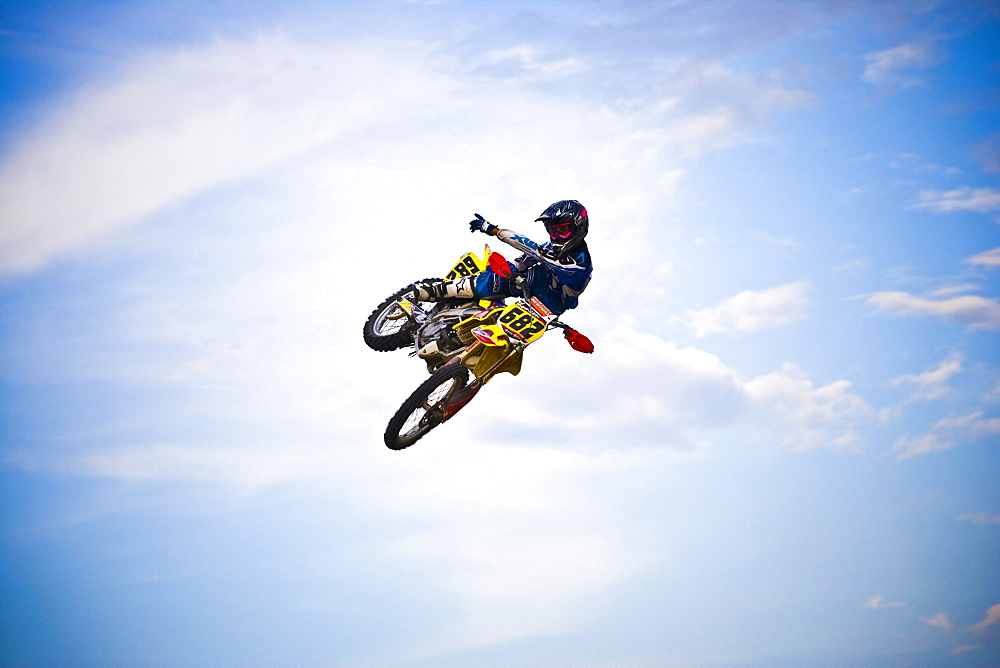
(388, 327)
(424, 409)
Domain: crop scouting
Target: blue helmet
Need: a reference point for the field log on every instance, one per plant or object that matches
(567, 223)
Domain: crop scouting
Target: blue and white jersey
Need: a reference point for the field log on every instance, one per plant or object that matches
(557, 282)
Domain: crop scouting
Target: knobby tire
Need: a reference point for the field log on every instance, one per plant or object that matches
(424, 409)
(387, 328)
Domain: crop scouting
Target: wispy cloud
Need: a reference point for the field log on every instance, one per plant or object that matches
(880, 603)
(970, 310)
(943, 622)
(938, 621)
(644, 390)
(992, 618)
(527, 63)
(981, 200)
(894, 67)
(990, 258)
(810, 416)
(946, 434)
(857, 264)
(963, 649)
(463, 519)
(783, 242)
(179, 124)
(931, 384)
(749, 102)
(751, 310)
(949, 290)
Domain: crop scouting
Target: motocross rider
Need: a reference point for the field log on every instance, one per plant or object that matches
(556, 272)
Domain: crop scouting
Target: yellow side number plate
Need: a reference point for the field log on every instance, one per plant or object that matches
(467, 266)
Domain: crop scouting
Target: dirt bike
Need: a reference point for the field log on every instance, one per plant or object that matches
(458, 338)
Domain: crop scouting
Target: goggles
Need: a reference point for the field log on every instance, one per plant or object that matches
(559, 230)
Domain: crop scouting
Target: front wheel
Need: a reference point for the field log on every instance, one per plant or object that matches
(388, 327)
(424, 409)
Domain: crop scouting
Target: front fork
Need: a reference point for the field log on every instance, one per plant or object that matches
(465, 395)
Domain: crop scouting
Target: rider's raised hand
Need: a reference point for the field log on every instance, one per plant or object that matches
(480, 224)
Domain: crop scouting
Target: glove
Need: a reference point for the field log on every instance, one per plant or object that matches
(480, 224)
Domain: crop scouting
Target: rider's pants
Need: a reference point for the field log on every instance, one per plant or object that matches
(491, 285)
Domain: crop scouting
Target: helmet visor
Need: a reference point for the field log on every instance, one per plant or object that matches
(559, 230)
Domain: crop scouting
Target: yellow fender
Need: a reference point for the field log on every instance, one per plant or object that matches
(492, 335)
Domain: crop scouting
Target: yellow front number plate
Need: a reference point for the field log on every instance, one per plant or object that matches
(517, 319)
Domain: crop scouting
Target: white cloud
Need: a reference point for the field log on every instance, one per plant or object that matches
(514, 577)
(466, 518)
(981, 200)
(943, 622)
(992, 618)
(784, 242)
(514, 539)
(249, 466)
(938, 621)
(855, 265)
(970, 310)
(810, 416)
(751, 101)
(880, 603)
(892, 67)
(526, 63)
(957, 289)
(933, 383)
(963, 649)
(989, 259)
(638, 390)
(947, 433)
(471, 525)
(750, 310)
(177, 124)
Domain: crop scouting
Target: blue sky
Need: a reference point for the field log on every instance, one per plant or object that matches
(784, 451)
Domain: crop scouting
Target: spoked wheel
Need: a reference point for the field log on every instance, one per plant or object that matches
(424, 409)
(388, 328)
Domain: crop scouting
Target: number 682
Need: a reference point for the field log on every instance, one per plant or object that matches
(521, 322)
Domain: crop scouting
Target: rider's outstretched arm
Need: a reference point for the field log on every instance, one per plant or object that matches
(520, 242)
(509, 237)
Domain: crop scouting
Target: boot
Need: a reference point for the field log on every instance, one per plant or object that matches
(433, 291)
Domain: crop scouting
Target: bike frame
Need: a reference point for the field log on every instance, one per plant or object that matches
(499, 333)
